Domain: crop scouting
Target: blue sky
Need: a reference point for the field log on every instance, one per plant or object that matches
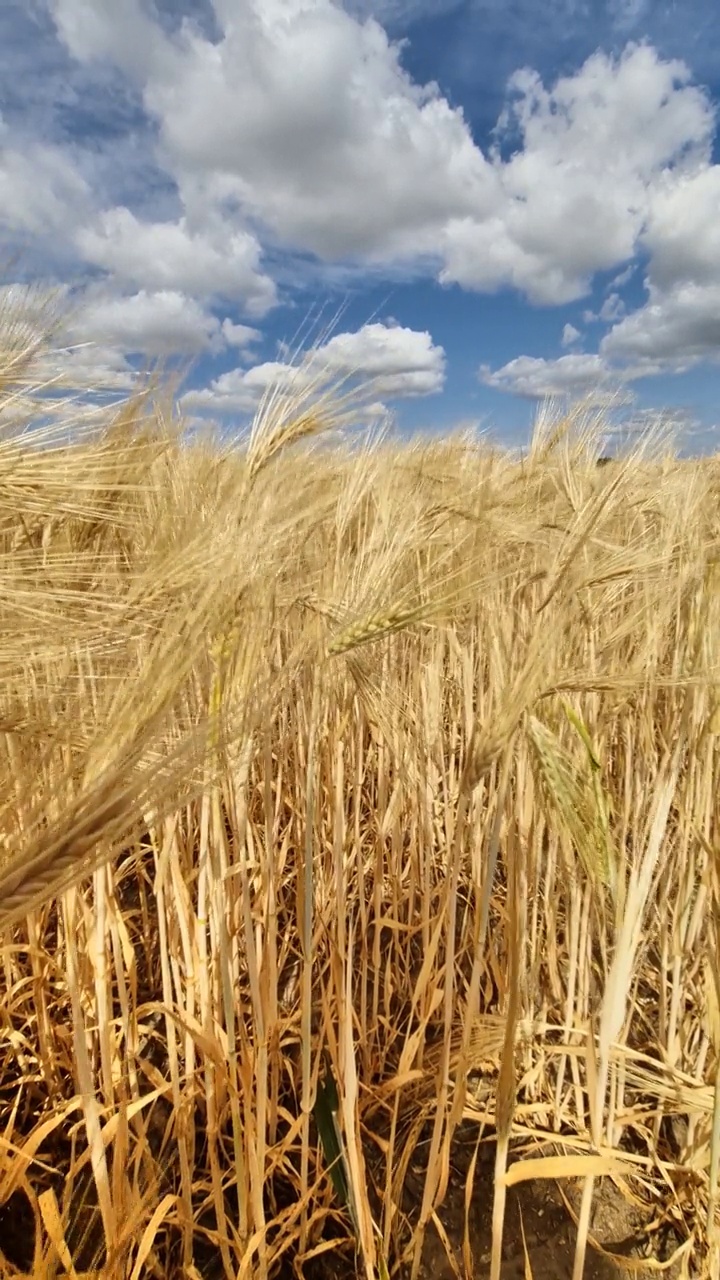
(495, 201)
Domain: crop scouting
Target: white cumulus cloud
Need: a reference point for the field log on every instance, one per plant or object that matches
(294, 139)
(673, 332)
(41, 190)
(399, 362)
(533, 377)
(164, 323)
(570, 335)
(302, 120)
(216, 260)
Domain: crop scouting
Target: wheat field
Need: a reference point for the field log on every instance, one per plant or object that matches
(356, 794)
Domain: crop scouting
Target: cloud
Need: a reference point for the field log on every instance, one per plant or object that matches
(217, 260)
(239, 335)
(41, 190)
(306, 120)
(101, 30)
(29, 314)
(302, 120)
(34, 320)
(654, 342)
(399, 362)
(682, 234)
(291, 138)
(163, 323)
(92, 367)
(241, 390)
(579, 188)
(533, 378)
(612, 308)
(626, 14)
(86, 335)
(569, 335)
(88, 114)
(399, 13)
(622, 277)
(679, 325)
(672, 333)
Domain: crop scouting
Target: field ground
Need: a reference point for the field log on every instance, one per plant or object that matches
(537, 1211)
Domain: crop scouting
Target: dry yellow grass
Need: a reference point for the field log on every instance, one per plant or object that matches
(330, 779)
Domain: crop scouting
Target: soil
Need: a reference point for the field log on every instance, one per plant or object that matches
(537, 1210)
